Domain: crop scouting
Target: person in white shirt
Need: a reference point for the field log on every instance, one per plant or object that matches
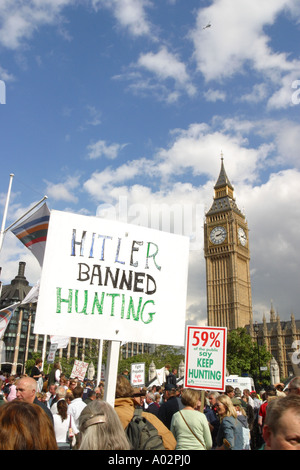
(60, 395)
(250, 400)
(62, 422)
(77, 404)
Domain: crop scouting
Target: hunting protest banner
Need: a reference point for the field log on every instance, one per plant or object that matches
(105, 279)
(205, 358)
(79, 370)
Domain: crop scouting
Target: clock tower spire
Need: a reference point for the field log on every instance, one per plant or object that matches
(227, 256)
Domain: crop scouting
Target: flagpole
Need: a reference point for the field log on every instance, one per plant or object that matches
(2, 232)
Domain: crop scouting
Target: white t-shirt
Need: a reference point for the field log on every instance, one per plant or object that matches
(75, 408)
(61, 428)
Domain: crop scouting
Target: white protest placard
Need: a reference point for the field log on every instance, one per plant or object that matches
(61, 341)
(137, 374)
(161, 375)
(52, 351)
(79, 370)
(205, 358)
(104, 279)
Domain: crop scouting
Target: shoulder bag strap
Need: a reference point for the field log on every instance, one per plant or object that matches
(192, 430)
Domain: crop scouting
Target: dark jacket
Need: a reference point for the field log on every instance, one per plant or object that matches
(44, 407)
(168, 408)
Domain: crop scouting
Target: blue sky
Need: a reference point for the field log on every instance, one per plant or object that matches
(122, 108)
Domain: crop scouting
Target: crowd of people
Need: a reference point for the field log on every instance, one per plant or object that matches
(60, 413)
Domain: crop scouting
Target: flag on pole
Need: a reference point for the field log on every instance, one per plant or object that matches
(33, 294)
(32, 232)
(5, 317)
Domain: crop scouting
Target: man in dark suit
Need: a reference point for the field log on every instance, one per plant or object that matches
(169, 407)
(152, 407)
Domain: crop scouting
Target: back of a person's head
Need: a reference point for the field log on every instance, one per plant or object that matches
(78, 391)
(25, 426)
(123, 387)
(100, 428)
(270, 391)
(61, 392)
(62, 409)
(190, 397)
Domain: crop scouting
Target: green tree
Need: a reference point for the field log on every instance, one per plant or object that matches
(242, 356)
(163, 355)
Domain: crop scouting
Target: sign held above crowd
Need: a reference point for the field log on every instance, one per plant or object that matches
(105, 279)
(205, 358)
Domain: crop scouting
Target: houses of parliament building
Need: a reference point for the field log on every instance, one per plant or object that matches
(228, 287)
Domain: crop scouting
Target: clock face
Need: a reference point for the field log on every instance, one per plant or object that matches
(242, 236)
(218, 235)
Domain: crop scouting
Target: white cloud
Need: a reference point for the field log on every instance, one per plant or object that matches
(20, 19)
(160, 74)
(102, 184)
(101, 148)
(63, 191)
(199, 148)
(273, 214)
(214, 95)
(130, 14)
(258, 94)
(272, 207)
(238, 40)
(95, 116)
(165, 66)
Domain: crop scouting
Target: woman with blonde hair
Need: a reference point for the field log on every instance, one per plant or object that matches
(189, 426)
(100, 428)
(230, 434)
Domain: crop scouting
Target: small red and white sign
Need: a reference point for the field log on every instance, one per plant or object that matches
(205, 358)
(137, 375)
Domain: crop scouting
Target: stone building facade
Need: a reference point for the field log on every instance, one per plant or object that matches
(281, 339)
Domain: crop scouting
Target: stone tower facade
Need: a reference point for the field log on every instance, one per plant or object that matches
(227, 256)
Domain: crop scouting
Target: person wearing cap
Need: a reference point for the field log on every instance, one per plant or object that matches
(125, 373)
(170, 406)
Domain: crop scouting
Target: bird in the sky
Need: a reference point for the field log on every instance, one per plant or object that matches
(207, 26)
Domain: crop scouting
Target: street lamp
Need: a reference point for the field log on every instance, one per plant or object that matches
(256, 330)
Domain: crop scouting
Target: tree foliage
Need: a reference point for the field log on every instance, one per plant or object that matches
(163, 355)
(244, 356)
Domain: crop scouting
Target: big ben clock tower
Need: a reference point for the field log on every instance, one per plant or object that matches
(227, 255)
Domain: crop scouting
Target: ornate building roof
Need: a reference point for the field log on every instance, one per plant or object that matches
(223, 179)
(18, 288)
(223, 199)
